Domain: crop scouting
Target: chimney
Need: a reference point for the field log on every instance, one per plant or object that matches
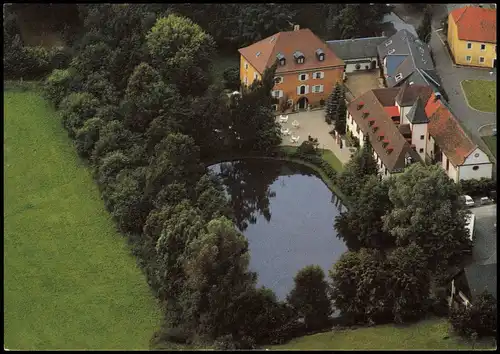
(296, 27)
(360, 105)
(437, 96)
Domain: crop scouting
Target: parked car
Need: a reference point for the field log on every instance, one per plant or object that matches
(468, 200)
(493, 195)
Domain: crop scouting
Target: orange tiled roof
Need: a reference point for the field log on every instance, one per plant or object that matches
(476, 24)
(287, 43)
(447, 133)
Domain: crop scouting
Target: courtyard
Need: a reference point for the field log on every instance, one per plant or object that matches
(313, 123)
(358, 83)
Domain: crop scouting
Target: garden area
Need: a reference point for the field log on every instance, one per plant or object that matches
(481, 94)
(429, 334)
(70, 281)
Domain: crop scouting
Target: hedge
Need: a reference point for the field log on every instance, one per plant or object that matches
(478, 187)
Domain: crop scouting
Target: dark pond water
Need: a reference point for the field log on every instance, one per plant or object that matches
(287, 214)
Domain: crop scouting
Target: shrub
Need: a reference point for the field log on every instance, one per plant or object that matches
(307, 148)
(478, 319)
(56, 86)
(477, 187)
(231, 78)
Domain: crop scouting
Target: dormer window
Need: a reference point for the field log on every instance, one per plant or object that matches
(281, 59)
(388, 43)
(391, 51)
(399, 77)
(320, 54)
(299, 57)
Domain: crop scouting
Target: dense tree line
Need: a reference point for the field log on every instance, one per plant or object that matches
(405, 235)
(141, 108)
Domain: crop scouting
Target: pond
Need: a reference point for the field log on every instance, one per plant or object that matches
(286, 212)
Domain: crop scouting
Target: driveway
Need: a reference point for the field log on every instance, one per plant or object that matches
(451, 78)
(360, 82)
(485, 234)
(313, 123)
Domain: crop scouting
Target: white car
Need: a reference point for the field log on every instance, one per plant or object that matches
(468, 201)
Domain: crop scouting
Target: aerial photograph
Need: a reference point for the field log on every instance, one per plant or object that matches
(250, 176)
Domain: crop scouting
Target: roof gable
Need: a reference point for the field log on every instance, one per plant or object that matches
(287, 44)
(476, 24)
(447, 132)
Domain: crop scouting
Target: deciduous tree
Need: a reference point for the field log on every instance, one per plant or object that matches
(309, 297)
(427, 211)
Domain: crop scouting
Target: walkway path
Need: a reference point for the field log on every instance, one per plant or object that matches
(313, 123)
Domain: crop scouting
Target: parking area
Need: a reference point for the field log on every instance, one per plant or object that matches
(485, 234)
(360, 82)
(313, 123)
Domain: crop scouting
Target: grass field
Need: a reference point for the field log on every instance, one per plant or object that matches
(491, 141)
(69, 280)
(481, 94)
(427, 334)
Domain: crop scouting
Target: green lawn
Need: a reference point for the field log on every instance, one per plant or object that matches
(427, 334)
(481, 94)
(70, 281)
(491, 142)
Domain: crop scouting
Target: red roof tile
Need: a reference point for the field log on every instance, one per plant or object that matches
(476, 24)
(392, 111)
(447, 132)
(287, 43)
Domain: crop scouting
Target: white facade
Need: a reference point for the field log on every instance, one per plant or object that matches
(430, 145)
(354, 129)
(419, 138)
(475, 166)
(403, 111)
(450, 169)
(364, 64)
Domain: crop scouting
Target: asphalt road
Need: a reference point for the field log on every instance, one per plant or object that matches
(485, 234)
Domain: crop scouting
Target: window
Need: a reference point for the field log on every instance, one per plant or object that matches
(481, 60)
(420, 150)
(321, 57)
(245, 80)
(274, 107)
(399, 77)
(318, 75)
(469, 45)
(385, 172)
(282, 61)
(278, 79)
(277, 93)
(475, 168)
(300, 60)
(468, 58)
(317, 88)
(302, 90)
(447, 165)
(422, 137)
(255, 76)
(483, 46)
(303, 77)
(246, 66)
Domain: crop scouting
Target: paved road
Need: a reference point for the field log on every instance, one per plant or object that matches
(485, 241)
(451, 78)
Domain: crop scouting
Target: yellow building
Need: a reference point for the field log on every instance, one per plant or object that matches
(472, 36)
